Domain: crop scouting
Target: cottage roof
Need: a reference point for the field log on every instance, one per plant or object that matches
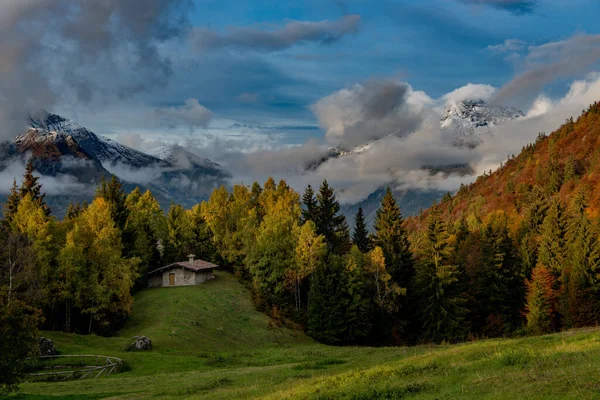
(191, 265)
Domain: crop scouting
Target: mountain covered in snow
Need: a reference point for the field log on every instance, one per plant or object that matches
(64, 151)
(463, 123)
(466, 123)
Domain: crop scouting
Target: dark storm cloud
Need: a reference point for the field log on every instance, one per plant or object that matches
(366, 112)
(518, 7)
(76, 50)
(276, 38)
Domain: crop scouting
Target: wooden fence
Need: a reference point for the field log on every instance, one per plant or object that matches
(65, 367)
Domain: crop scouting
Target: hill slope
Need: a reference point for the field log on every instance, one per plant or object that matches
(209, 343)
(215, 316)
(556, 165)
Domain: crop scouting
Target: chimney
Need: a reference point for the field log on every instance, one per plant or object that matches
(191, 258)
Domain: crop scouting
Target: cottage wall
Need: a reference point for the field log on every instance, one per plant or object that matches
(203, 276)
(183, 277)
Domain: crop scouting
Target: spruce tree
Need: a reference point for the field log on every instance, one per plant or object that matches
(328, 302)
(391, 236)
(32, 187)
(112, 191)
(541, 301)
(309, 205)
(12, 202)
(553, 243)
(360, 237)
(580, 282)
(330, 223)
(501, 292)
(443, 307)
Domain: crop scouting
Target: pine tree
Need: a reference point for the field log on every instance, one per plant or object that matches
(329, 301)
(500, 282)
(391, 236)
(360, 237)
(580, 282)
(12, 202)
(553, 243)
(310, 205)
(330, 223)
(31, 186)
(114, 194)
(541, 301)
(443, 308)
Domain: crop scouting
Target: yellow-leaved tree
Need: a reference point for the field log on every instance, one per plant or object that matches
(97, 279)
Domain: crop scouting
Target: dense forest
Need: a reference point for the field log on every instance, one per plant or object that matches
(516, 252)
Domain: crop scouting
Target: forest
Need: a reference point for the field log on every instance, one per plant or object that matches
(515, 253)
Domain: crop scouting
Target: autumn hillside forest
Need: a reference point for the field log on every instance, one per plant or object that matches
(517, 252)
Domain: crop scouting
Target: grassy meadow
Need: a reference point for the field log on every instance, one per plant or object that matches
(210, 343)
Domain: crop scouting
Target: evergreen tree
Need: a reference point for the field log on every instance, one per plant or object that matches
(31, 186)
(73, 211)
(443, 308)
(391, 236)
(309, 209)
(12, 202)
(114, 194)
(500, 282)
(360, 237)
(329, 301)
(580, 281)
(541, 301)
(330, 223)
(553, 243)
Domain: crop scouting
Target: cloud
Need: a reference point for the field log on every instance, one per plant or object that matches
(508, 46)
(470, 92)
(517, 7)
(51, 185)
(192, 114)
(370, 111)
(545, 63)
(274, 38)
(79, 51)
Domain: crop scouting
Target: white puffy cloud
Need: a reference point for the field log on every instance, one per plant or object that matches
(470, 91)
(191, 113)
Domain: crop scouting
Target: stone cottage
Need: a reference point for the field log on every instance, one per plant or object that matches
(183, 273)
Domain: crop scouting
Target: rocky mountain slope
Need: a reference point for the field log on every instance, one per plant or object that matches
(466, 123)
(65, 151)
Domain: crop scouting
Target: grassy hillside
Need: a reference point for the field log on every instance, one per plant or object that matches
(210, 343)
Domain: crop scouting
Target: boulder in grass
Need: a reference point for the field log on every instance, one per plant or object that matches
(140, 343)
(46, 347)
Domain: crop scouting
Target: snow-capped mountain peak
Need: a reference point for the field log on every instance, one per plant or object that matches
(104, 149)
(467, 122)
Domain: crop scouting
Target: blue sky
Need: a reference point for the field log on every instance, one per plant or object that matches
(253, 70)
(435, 45)
(264, 86)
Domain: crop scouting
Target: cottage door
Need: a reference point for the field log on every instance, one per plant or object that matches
(171, 279)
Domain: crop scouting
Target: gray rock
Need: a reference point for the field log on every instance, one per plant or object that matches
(140, 343)
(46, 347)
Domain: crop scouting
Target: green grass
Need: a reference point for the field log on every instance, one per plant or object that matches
(210, 343)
